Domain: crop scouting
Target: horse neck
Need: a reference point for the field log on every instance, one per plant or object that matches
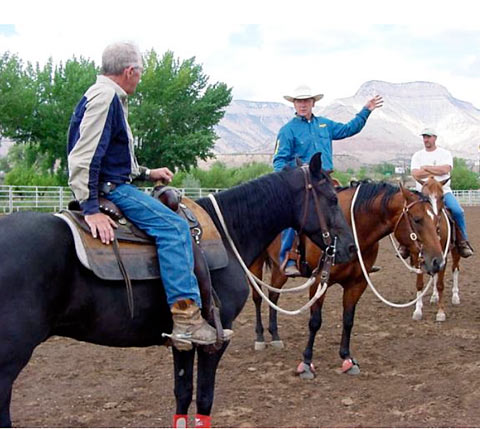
(372, 224)
(254, 213)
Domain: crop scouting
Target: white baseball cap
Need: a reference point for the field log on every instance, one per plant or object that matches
(429, 132)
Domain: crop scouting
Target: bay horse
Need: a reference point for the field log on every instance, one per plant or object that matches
(380, 209)
(433, 189)
(46, 291)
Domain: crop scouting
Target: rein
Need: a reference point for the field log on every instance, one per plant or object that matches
(324, 264)
(362, 265)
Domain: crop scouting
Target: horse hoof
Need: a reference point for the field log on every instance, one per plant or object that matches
(306, 372)
(350, 366)
(455, 300)
(441, 317)
(354, 370)
(417, 315)
(277, 344)
(259, 345)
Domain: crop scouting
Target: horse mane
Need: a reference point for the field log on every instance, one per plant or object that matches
(370, 190)
(244, 202)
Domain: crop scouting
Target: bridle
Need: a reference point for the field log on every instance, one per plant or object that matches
(328, 258)
(412, 233)
(324, 264)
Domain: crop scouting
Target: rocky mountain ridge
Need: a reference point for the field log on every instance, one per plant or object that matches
(391, 133)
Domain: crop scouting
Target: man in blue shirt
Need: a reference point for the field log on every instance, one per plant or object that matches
(307, 134)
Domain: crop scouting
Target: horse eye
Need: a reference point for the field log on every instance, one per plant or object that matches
(417, 219)
(333, 200)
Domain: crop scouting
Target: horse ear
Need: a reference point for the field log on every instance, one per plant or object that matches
(443, 182)
(408, 195)
(422, 182)
(298, 161)
(316, 164)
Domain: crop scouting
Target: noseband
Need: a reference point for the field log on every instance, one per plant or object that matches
(328, 257)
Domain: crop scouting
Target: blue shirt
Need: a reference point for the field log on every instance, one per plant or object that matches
(302, 138)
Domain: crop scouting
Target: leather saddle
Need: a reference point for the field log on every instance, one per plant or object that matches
(135, 249)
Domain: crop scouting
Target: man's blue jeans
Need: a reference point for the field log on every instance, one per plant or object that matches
(172, 237)
(457, 212)
(288, 235)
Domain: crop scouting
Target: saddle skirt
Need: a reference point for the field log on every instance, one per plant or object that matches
(137, 250)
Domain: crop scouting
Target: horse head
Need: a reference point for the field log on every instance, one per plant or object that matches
(433, 189)
(317, 212)
(417, 229)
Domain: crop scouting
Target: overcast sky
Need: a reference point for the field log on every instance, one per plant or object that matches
(333, 48)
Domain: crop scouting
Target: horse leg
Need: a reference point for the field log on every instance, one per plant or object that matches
(257, 270)
(207, 370)
(418, 312)
(12, 361)
(455, 276)
(278, 280)
(183, 367)
(305, 369)
(5, 398)
(434, 297)
(351, 295)
(440, 317)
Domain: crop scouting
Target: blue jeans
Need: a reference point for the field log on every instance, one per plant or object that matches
(457, 212)
(288, 235)
(172, 237)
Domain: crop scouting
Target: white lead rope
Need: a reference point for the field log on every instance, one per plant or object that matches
(367, 278)
(253, 279)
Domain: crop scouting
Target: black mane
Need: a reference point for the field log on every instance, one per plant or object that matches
(370, 190)
(248, 200)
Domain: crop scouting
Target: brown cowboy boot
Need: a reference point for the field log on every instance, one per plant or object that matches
(464, 248)
(190, 327)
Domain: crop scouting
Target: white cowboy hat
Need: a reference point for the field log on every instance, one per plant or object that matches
(302, 92)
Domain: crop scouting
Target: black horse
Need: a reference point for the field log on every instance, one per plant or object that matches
(45, 291)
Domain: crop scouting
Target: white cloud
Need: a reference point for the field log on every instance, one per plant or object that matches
(333, 47)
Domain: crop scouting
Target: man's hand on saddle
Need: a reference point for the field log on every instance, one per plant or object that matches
(101, 225)
(163, 175)
(374, 103)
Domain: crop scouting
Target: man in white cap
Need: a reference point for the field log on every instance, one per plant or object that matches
(436, 161)
(305, 135)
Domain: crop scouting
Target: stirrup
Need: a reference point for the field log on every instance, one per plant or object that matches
(291, 271)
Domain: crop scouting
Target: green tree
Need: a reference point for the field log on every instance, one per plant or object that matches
(174, 111)
(36, 104)
(462, 176)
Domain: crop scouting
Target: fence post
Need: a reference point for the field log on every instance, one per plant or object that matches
(10, 199)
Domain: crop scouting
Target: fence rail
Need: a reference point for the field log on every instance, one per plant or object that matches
(55, 198)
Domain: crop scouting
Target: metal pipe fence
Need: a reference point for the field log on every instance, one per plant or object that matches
(56, 198)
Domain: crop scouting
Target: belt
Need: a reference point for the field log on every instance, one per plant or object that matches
(104, 188)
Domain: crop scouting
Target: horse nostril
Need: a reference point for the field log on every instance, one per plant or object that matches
(352, 249)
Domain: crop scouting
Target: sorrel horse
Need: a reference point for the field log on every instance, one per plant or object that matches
(433, 189)
(380, 209)
(45, 291)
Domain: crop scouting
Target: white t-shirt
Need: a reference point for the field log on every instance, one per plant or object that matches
(438, 156)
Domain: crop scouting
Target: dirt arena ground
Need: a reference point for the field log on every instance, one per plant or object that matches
(413, 374)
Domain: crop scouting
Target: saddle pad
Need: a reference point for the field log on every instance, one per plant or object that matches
(139, 259)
